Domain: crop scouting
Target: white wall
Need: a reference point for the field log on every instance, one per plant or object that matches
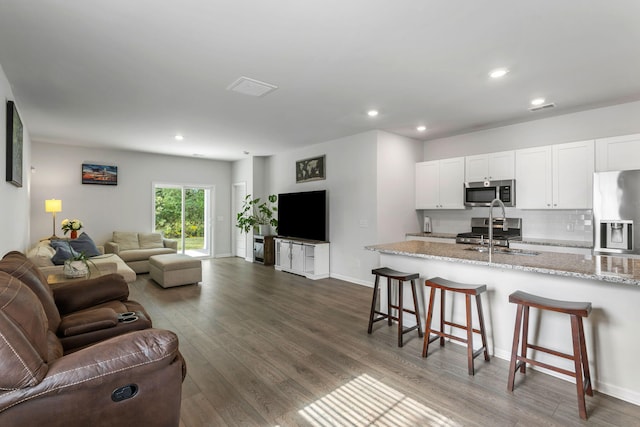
(351, 176)
(396, 186)
(14, 201)
(370, 189)
(127, 206)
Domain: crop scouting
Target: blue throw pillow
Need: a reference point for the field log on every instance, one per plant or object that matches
(63, 253)
(84, 244)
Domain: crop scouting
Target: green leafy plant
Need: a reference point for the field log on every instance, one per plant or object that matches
(254, 213)
(80, 257)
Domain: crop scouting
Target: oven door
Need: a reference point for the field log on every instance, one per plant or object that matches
(479, 193)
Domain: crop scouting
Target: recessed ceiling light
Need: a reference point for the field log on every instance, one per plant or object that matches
(498, 72)
(421, 128)
(537, 101)
(372, 113)
(179, 137)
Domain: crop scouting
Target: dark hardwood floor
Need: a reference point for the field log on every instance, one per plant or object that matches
(266, 348)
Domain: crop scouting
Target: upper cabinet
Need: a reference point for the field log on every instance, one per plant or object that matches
(618, 153)
(490, 167)
(555, 177)
(439, 184)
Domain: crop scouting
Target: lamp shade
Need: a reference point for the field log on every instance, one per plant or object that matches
(53, 205)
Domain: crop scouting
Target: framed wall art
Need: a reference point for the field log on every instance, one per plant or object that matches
(312, 169)
(14, 145)
(99, 174)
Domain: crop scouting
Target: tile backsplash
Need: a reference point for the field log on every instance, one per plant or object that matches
(576, 225)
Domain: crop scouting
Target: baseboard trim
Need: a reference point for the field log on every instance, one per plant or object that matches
(352, 280)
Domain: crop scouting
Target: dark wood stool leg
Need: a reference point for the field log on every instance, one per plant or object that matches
(585, 361)
(400, 311)
(389, 313)
(514, 348)
(467, 303)
(373, 304)
(442, 295)
(416, 307)
(427, 327)
(483, 333)
(577, 361)
(525, 338)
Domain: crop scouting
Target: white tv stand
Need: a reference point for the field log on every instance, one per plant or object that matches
(303, 257)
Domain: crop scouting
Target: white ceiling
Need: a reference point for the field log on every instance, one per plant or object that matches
(131, 74)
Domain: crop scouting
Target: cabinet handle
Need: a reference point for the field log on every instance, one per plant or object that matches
(548, 204)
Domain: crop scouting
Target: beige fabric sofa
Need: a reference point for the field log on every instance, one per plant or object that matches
(42, 253)
(135, 249)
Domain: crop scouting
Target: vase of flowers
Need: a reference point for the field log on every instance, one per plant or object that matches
(72, 226)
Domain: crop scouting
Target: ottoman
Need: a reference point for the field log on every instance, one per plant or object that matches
(175, 270)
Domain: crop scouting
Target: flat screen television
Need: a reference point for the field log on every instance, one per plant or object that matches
(303, 215)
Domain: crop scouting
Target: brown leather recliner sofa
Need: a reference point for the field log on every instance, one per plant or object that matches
(80, 312)
(132, 377)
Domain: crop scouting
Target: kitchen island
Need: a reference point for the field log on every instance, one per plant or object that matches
(611, 284)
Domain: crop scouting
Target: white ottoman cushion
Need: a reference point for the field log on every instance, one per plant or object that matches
(175, 270)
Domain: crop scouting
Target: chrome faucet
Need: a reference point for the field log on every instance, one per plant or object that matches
(505, 227)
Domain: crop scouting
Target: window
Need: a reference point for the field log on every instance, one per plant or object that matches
(183, 213)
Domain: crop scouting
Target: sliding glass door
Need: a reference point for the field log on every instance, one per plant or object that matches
(183, 213)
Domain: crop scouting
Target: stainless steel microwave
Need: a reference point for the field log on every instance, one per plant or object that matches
(481, 193)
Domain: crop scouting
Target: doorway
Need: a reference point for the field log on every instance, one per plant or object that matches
(183, 213)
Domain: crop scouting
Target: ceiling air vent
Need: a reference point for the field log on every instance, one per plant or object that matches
(251, 87)
(542, 107)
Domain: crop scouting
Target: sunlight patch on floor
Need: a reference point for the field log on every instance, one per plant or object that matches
(365, 401)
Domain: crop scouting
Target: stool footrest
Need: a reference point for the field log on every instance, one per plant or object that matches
(545, 365)
(549, 351)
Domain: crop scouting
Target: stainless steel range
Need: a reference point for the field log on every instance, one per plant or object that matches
(479, 234)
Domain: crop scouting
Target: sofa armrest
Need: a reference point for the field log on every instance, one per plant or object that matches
(111, 248)
(172, 244)
(81, 294)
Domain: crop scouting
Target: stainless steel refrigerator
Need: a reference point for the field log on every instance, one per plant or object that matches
(616, 213)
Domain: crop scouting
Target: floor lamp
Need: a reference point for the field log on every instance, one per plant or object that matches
(53, 206)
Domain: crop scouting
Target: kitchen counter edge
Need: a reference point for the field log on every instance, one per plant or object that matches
(569, 265)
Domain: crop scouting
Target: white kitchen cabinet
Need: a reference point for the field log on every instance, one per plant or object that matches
(439, 184)
(555, 176)
(302, 257)
(618, 153)
(490, 167)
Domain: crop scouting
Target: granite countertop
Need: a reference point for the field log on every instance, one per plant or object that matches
(611, 269)
(525, 240)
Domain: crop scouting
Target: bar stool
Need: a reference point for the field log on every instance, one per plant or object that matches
(577, 310)
(468, 291)
(401, 278)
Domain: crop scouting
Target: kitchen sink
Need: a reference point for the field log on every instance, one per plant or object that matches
(507, 251)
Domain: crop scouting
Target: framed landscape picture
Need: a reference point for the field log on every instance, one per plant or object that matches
(99, 174)
(312, 169)
(14, 145)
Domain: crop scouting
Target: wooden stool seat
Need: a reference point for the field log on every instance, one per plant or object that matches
(468, 290)
(401, 277)
(576, 310)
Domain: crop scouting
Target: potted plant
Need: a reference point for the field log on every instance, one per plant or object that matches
(257, 214)
(77, 265)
